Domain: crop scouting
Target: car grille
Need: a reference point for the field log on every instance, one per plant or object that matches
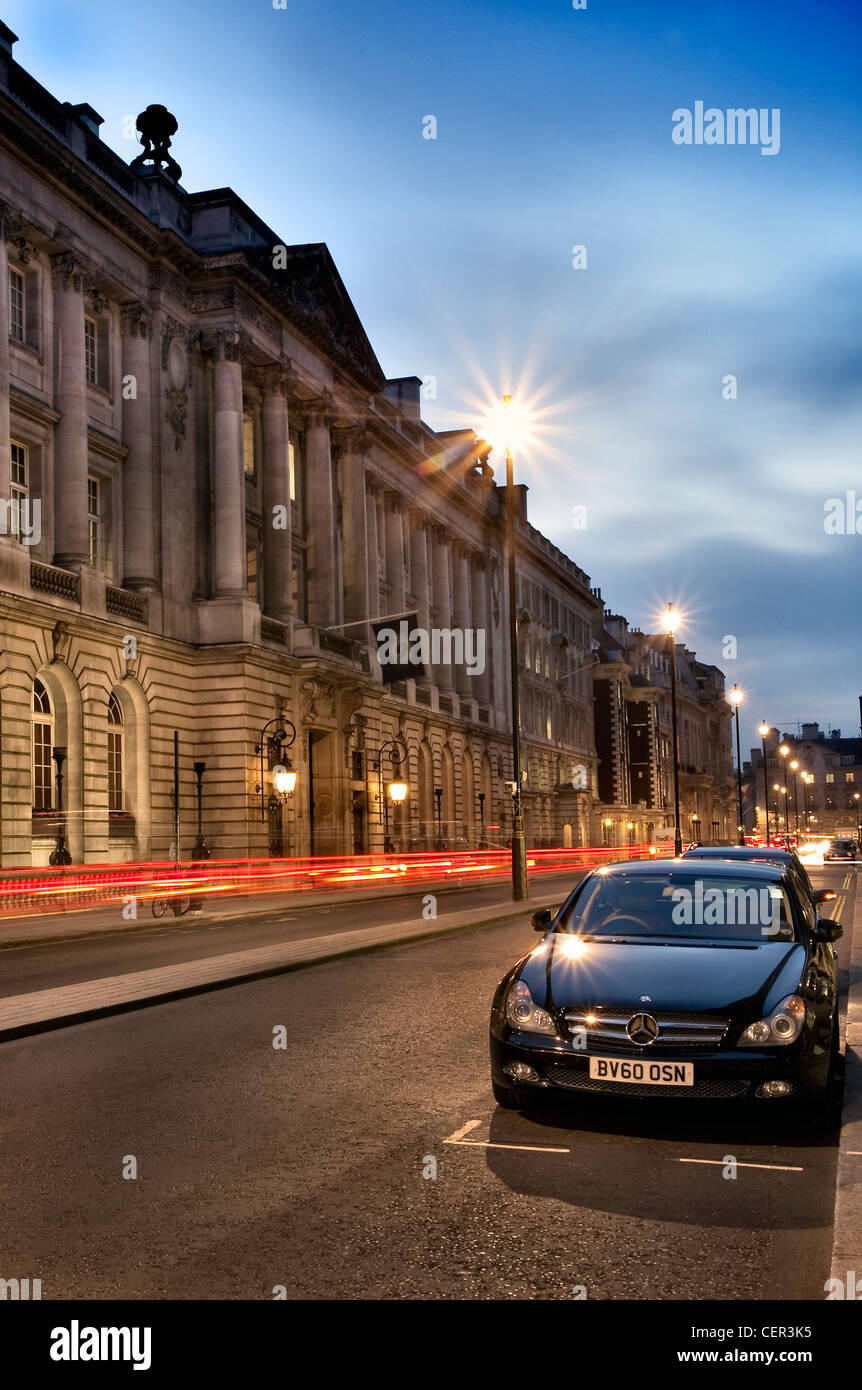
(578, 1079)
(674, 1029)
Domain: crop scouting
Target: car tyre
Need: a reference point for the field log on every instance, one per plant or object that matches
(513, 1097)
(828, 1106)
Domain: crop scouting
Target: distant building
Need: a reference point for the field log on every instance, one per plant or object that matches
(827, 805)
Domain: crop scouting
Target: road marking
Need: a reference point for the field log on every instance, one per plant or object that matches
(720, 1162)
(459, 1133)
(855, 1153)
(522, 1148)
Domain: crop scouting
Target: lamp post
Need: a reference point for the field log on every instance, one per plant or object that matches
(794, 765)
(858, 824)
(397, 789)
(273, 746)
(519, 845)
(776, 789)
(200, 850)
(438, 797)
(669, 620)
(481, 800)
(785, 753)
(807, 779)
(60, 854)
(735, 699)
(763, 731)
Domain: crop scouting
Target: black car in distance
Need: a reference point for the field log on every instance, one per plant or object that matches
(709, 980)
(839, 849)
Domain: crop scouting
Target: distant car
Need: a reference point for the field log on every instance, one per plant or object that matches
(766, 854)
(840, 849)
(625, 996)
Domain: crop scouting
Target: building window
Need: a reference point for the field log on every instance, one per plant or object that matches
(249, 445)
(94, 519)
(91, 354)
(291, 464)
(830, 777)
(16, 305)
(849, 777)
(43, 739)
(20, 489)
(251, 573)
(115, 756)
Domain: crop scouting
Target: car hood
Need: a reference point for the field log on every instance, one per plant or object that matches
(676, 977)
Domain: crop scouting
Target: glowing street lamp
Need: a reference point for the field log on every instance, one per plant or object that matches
(793, 768)
(735, 698)
(763, 731)
(508, 427)
(669, 621)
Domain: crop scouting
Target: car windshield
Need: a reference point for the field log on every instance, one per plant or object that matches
(701, 905)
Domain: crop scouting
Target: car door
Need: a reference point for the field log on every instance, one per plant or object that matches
(821, 980)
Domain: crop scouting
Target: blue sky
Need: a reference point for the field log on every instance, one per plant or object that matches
(554, 130)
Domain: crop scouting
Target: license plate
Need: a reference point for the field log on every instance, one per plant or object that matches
(644, 1073)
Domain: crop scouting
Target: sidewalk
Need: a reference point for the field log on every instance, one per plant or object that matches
(847, 1228)
(55, 1008)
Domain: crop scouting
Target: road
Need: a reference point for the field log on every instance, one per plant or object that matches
(303, 1167)
(171, 940)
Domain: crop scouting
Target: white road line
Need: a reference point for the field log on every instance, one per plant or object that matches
(720, 1162)
(459, 1133)
(854, 1153)
(522, 1148)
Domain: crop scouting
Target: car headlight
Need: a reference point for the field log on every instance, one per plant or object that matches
(521, 1012)
(779, 1029)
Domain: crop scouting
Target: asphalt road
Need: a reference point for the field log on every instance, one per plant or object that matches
(303, 1167)
(171, 940)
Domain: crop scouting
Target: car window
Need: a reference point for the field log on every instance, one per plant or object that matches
(701, 904)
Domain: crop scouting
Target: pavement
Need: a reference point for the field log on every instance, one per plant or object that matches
(847, 1237)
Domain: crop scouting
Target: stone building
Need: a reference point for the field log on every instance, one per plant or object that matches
(634, 738)
(830, 802)
(210, 488)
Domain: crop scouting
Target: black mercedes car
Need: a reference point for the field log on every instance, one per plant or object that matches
(698, 979)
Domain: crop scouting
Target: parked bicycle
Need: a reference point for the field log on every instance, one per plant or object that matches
(179, 905)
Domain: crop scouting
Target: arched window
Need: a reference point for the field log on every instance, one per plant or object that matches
(43, 740)
(116, 800)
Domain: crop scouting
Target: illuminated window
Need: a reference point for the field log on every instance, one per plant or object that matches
(249, 445)
(20, 489)
(91, 354)
(43, 738)
(115, 756)
(830, 777)
(849, 777)
(16, 305)
(251, 572)
(291, 463)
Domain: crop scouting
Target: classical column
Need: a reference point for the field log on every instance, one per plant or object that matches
(418, 523)
(229, 566)
(479, 612)
(443, 673)
(464, 683)
(138, 469)
(355, 443)
(277, 538)
(395, 551)
(71, 536)
(9, 225)
(322, 567)
(372, 545)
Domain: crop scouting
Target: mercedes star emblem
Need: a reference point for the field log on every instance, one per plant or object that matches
(642, 1029)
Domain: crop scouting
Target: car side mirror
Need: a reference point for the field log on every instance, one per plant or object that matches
(824, 895)
(541, 920)
(827, 929)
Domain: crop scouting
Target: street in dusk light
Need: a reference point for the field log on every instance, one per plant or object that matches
(430, 702)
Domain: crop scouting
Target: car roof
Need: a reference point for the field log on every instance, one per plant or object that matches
(781, 856)
(654, 868)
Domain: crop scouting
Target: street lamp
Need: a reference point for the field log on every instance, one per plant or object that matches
(60, 854)
(735, 698)
(509, 425)
(438, 797)
(397, 790)
(763, 731)
(793, 768)
(200, 850)
(481, 800)
(669, 619)
(283, 776)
